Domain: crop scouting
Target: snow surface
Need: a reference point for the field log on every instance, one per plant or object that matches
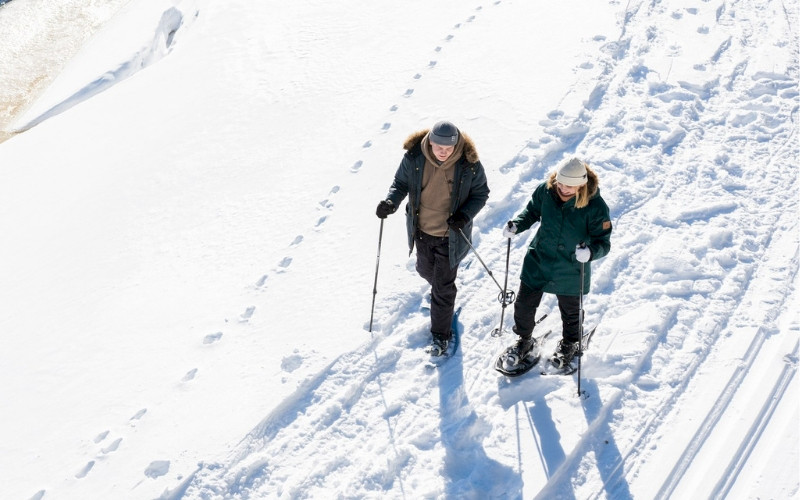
(190, 247)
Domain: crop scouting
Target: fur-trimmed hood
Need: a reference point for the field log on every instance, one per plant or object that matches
(416, 138)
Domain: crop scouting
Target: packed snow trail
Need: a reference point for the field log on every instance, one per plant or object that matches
(728, 203)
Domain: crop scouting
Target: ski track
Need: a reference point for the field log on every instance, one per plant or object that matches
(766, 329)
(723, 487)
(348, 398)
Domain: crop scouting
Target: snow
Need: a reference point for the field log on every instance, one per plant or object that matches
(190, 247)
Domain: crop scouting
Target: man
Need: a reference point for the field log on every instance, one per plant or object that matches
(446, 188)
(575, 229)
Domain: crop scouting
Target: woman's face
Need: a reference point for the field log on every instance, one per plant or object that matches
(566, 192)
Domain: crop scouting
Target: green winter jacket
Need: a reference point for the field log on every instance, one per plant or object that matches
(550, 263)
(470, 190)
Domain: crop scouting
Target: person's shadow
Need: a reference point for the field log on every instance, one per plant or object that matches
(543, 429)
(559, 468)
(610, 462)
(468, 472)
(548, 440)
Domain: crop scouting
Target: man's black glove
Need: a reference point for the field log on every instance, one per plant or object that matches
(457, 221)
(385, 209)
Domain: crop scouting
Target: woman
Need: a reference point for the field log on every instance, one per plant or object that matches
(575, 229)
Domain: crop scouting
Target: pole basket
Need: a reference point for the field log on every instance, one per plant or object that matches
(506, 298)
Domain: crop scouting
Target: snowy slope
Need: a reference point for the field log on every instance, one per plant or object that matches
(39, 38)
(191, 247)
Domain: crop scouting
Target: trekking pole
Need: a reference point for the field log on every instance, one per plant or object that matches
(505, 298)
(502, 291)
(375, 285)
(580, 329)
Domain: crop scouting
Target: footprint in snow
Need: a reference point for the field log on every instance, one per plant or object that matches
(356, 166)
(320, 222)
(297, 240)
(519, 159)
(393, 108)
(112, 447)
(291, 363)
(212, 337)
(386, 126)
(157, 469)
(408, 92)
(139, 414)
(450, 37)
(367, 144)
(189, 375)
(85, 470)
(247, 314)
(261, 281)
(101, 437)
(432, 64)
(285, 262)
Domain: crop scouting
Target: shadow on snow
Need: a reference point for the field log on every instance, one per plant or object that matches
(468, 472)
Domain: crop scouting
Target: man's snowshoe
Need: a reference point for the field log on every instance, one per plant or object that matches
(440, 349)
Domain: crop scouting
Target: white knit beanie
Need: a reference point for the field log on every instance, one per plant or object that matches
(572, 173)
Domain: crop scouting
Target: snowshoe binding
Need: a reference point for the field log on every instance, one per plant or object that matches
(520, 357)
(440, 350)
(564, 357)
(438, 347)
(564, 360)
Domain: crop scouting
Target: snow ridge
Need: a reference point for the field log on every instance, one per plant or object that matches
(158, 46)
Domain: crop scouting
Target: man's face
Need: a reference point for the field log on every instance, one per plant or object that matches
(442, 153)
